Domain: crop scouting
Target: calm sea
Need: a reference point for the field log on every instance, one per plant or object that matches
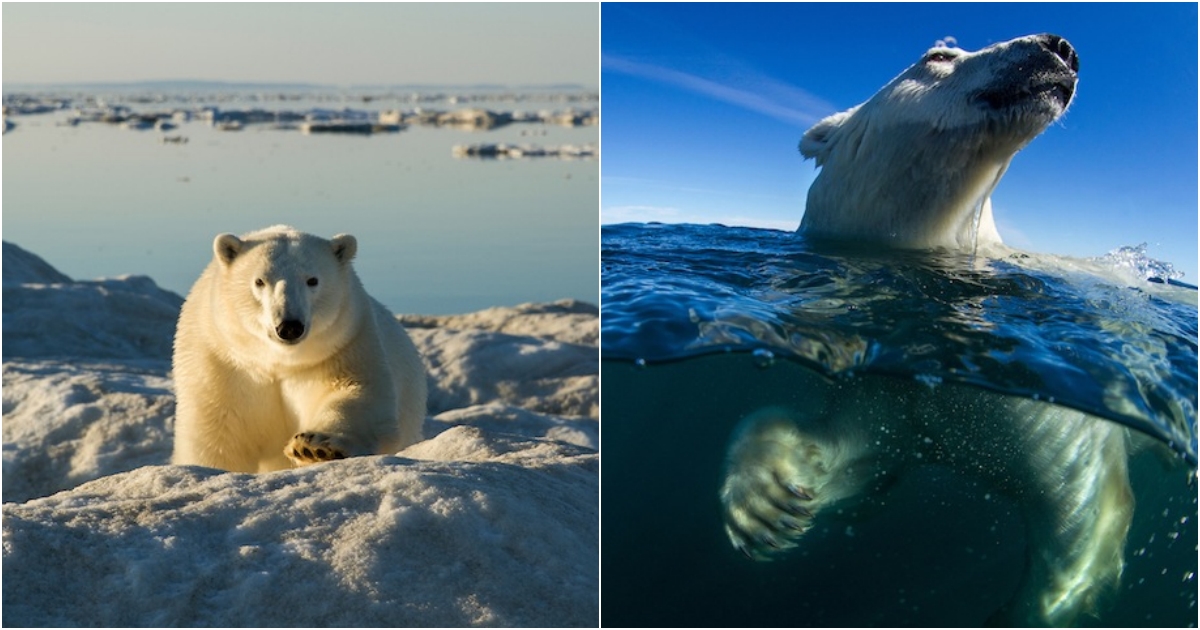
(437, 234)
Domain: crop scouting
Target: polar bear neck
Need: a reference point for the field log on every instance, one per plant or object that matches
(909, 186)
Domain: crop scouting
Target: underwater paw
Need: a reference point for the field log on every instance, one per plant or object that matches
(310, 448)
(770, 492)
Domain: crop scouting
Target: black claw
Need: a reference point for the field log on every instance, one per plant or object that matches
(799, 510)
(769, 541)
(791, 507)
(792, 524)
(799, 492)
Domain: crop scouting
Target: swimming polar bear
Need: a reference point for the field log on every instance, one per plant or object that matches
(914, 167)
(282, 359)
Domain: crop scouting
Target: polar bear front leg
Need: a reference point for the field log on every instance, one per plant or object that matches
(357, 418)
(778, 477)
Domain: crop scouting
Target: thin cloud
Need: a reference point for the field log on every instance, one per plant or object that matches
(767, 96)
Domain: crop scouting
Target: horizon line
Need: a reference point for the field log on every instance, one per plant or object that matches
(141, 83)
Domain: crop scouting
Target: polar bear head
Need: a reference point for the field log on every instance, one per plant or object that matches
(916, 164)
(281, 288)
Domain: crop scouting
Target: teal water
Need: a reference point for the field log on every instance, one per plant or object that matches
(436, 234)
(703, 325)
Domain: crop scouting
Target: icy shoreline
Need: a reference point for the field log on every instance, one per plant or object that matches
(492, 520)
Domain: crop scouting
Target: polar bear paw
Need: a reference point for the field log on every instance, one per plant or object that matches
(776, 479)
(311, 448)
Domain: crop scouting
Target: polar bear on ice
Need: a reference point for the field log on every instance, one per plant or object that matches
(282, 359)
(914, 167)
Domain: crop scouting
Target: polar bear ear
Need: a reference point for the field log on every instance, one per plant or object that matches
(818, 140)
(344, 247)
(226, 247)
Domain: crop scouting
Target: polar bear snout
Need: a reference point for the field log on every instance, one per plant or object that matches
(1061, 48)
(290, 331)
(1040, 76)
(1062, 84)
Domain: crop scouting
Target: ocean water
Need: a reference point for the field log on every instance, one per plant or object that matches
(703, 325)
(436, 234)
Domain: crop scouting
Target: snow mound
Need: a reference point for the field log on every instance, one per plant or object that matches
(492, 520)
(46, 314)
(377, 541)
(569, 321)
(68, 423)
(470, 367)
(22, 267)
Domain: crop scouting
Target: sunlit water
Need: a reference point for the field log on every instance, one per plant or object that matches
(436, 234)
(704, 325)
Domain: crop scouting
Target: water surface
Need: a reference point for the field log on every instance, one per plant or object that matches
(703, 325)
(436, 234)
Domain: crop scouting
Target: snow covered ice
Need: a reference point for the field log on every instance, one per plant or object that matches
(492, 520)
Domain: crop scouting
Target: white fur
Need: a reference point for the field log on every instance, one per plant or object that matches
(278, 345)
(916, 164)
(914, 167)
(1068, 471)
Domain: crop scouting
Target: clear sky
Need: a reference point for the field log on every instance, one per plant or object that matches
(704, 106)
(328, 43)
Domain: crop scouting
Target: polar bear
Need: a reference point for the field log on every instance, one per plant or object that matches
(913, 167)
(282, 359)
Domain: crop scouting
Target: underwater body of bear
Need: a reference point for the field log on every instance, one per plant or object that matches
(914, 167)
(282, 359)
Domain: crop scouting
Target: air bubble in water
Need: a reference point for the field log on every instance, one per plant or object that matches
(764, 358)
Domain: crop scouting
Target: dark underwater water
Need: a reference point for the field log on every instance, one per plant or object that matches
(702, 325)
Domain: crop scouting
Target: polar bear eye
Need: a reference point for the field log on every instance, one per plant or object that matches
(939, 56)
(258, 282)
(312, 282)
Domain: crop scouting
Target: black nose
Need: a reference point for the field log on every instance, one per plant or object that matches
(1062, 48)
(290, 330)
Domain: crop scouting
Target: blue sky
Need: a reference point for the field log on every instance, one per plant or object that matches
(704, 106)
(330, 43)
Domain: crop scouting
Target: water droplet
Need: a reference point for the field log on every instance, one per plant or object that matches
(764, 358)
(639, 363)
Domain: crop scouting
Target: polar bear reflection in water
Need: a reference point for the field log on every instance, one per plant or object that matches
(914, 168)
